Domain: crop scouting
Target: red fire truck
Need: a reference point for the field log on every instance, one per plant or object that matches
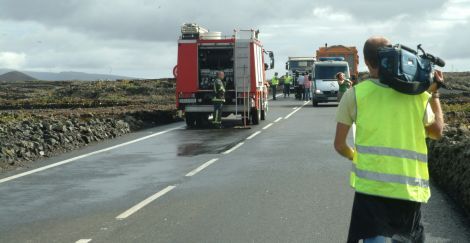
(240, 56)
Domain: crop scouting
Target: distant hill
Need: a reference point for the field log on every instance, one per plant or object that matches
(65, 76)
(15, 76)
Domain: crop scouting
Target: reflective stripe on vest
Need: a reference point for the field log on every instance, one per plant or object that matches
(390, 178)
(402, 153)
(391, 154)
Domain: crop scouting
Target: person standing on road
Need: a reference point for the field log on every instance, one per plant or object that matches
(287, 84)
(219, 99)
(300, 86)
(274, 84)
(307, 86)
(343, 84)
(389, 172)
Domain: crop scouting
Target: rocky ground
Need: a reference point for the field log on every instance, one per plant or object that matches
(449, 157)
(42, 119)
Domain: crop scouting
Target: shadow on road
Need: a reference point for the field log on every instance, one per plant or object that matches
(321, 106)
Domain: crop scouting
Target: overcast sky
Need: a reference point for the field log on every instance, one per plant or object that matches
(139, 37)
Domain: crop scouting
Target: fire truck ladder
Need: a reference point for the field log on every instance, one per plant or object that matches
(242, 74)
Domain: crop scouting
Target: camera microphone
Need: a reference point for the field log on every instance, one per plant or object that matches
(436, 60)
(439, 62)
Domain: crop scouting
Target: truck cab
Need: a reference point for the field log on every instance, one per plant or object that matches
(298, 65)
(324, 84)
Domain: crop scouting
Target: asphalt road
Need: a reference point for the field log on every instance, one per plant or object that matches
(279, 181)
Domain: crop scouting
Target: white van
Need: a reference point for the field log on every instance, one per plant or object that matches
(324, 85)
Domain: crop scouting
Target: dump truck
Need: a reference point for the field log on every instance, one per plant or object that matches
(349, 53)
(240, 56)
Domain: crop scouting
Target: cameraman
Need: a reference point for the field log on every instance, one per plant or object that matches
(389, 172)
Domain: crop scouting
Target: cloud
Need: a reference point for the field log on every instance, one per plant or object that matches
(376, 11)
(456, 44)
(139, 37)
(159, 20)
(12, 60)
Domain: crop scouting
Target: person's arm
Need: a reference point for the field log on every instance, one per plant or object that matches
(341, 146)
(435, 129)
(345, 116)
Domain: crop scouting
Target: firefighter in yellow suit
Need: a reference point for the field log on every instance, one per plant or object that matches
(219, 99)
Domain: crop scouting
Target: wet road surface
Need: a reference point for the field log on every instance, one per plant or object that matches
(279, 181)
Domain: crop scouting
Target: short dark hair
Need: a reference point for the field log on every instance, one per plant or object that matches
(370, 50)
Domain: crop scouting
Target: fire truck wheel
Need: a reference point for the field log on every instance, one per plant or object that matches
(263, 115)
(202, 120)
(255, 116)
(190, 120)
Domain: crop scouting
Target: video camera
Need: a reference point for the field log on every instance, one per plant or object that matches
(404, 70)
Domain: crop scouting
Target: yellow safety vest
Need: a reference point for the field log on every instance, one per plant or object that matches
(390, 159)
(288, 80)
(274, 81)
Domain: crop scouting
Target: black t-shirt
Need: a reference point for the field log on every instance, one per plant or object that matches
(397, 219)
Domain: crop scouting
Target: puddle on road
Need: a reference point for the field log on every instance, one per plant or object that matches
(193, 149)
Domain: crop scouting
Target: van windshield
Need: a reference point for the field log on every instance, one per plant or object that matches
(329, 72)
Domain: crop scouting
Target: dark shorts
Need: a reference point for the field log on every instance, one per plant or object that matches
(397, 219)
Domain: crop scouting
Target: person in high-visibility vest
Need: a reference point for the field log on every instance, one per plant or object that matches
(219, 99)
(274, 84)
(287, 84)
(389, 169)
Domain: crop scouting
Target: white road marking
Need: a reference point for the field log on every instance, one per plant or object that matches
(144, 203)
(85, 155)
(290, 114)
(267, 126)
(278, 119)
(298, 109)
(203, 166)
(233, 149)
(253, 135)
(295, 108)
(83, 241)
